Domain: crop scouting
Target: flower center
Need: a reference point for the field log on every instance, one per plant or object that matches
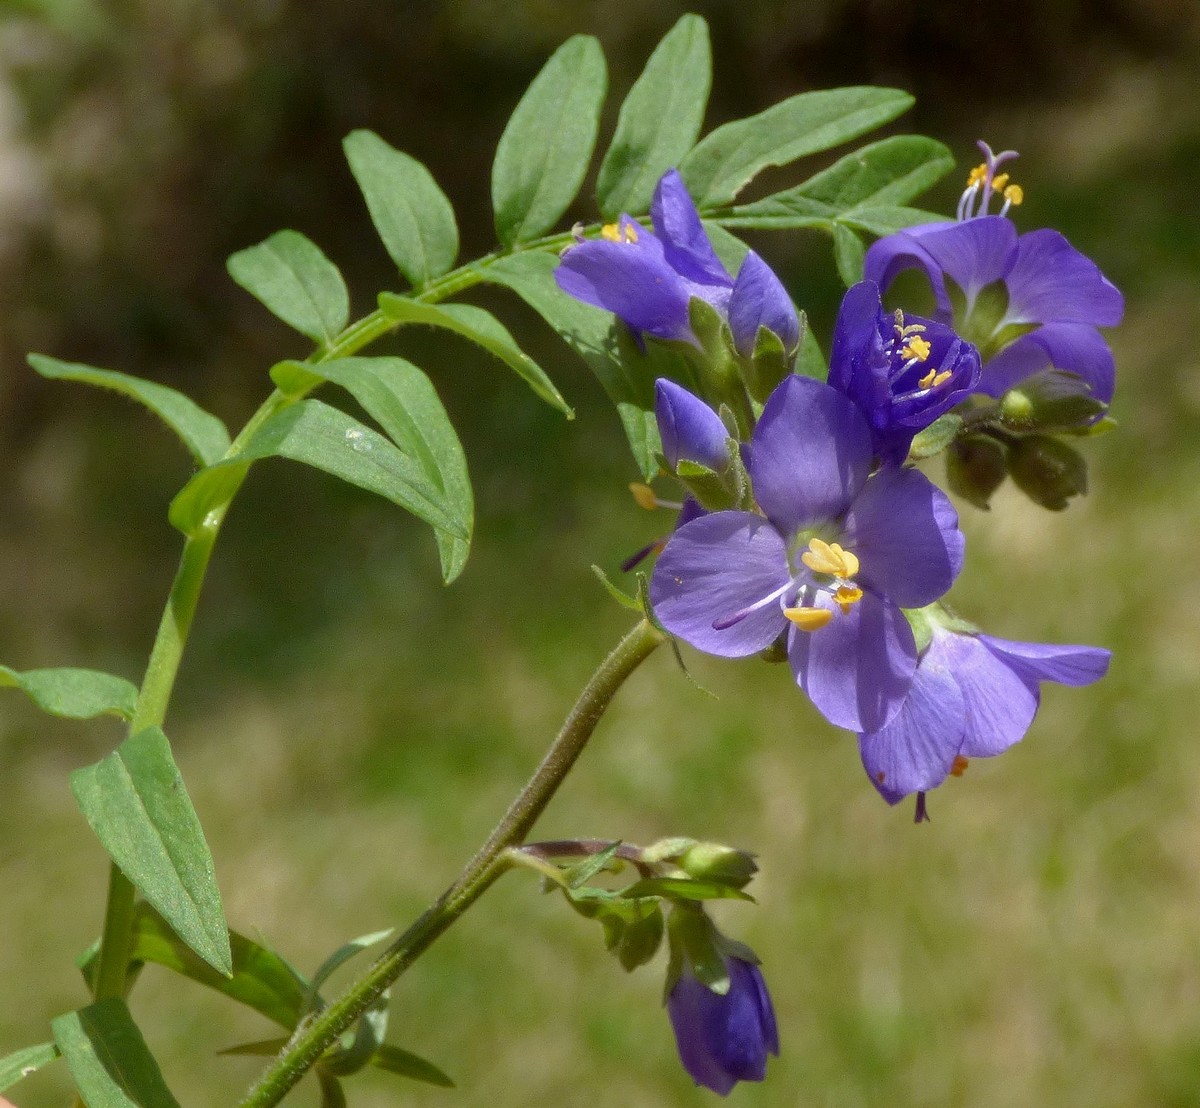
(983, 181)
(908, 347)
(616, 232)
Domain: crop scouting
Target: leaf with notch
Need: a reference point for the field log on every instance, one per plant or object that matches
(74, 693)
(136, 803)
(483, 329)
(414, 218)
(294, 280)
(659, 120)
(731, 156)
(203, 434)
(21, 1063)
(543, 155)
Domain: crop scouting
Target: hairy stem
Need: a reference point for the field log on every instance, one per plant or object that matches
(317, 1034)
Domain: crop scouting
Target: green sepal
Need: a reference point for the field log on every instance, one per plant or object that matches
(28, 1060)
(696, 948)
(769, 363)
(578, 875)
(406, 1064)
(633, 928)
(312, 995)
(111, 1065)
(641, 936)
(684, 888)
(936, 437)
(975, 468)
(1050, 401)
(74, 693)
(666, 850)
(1047, 470)
(618, 594)
(920, 623)
(136, 803)
(810, 362)
(712, 490)
(718, 863)
(980, 324)
(1102, 426)
(202, 433)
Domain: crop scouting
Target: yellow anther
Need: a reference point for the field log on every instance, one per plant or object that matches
(978, 174)
(1014, 194)
(809, 619)
(916, 347)
(846, 597)
(830, 558)
(644, 495)
(932, 379)
(615, 232)
(958, 768)
(999, 181)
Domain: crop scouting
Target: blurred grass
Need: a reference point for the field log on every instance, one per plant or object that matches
(350, 730)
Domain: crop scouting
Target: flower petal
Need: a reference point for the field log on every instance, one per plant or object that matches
(685, 242)
(690, 1009)
(1068, 665)
(809, 455)
(999, 705)
(859, 667)
(690, 430)
(1073, 347)
(714, 567)
(858, 367)
(1051, 281)
(915, 751)
(760, 300)
(905, 533)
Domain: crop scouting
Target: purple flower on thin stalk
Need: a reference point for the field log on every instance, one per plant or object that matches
(901, 372)
(839, 553)
(1029, 302)
(648, 278)
(724, 1038)
(973, 696)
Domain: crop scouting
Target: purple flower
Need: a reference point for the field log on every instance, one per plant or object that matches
(724, 1038)
(973, 696)
(690, 430)
(1029, 302)
(648, 278)
(901, 372)
(838, 555)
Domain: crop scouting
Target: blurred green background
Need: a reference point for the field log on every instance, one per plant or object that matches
(350, 730)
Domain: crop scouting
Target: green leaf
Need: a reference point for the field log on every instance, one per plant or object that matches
(626, 374)
(810, 362)
(261, 979)
(581, 873)
(261, 1048)
(482, 328)
(414, 218)
(21, 1063)
(659, 120)
(619, 595)
(295, 281)
(203, 434)
(332, 1093)
(339, 957)
(936, 437)
(848, 251)
(332, 441)
(683, 888)
(403, 401)
(109, 1059)
(730, 157)
(887, 220)
(406, 1064)
(544, 152)
(74, 693)
(136, 803)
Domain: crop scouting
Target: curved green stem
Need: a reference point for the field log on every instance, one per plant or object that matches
(314, 1036)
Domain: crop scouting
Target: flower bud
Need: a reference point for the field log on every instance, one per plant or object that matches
(1051, 401)
(975, 468)
(716, 862)
(1047, 470)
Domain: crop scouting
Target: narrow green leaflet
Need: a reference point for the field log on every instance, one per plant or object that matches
(482, 328)
(261, 979)
(21, 1063)
(414, 218)
(684, 888)
(730, 157)
(337, 959)
(543, 155)
(295, 281)
(329, 440)
(109, 1059)
(203, 434)
(848, 252)
(403, 401)
(136, 803)
(886, 220)
(659, 120)
(626, 375)
(407, 1064)
(74, 693)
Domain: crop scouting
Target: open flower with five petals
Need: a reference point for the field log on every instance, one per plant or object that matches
(837, 553)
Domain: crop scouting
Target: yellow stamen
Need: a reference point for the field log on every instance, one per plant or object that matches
(644, 495)
(932, 379)
(978, 174)
(808, 619)
(615, 232)
(959, 767)
(916, 347)
(1014, 194)
(830, 558)
(999, 181)
(846, 597)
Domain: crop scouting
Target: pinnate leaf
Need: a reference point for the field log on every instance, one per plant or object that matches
(74, 693)
(544, 152)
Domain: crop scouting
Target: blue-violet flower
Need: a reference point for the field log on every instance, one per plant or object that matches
(840, 552)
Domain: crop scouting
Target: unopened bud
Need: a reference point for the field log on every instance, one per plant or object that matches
(975, 468)
(716, 862)
(1051, 401)
(1047, 470)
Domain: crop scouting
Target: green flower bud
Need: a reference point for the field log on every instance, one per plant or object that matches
(1047, 470)
(1050, 401)
(975, 468)
(716, 862)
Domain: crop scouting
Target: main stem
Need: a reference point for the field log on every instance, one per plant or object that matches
(312, 1038)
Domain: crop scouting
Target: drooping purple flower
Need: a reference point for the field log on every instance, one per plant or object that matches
(901, 372)
(689, 429)
(648, 278)
(839, 553)
(973, 696)
(724, 1038)
(1029, 302)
